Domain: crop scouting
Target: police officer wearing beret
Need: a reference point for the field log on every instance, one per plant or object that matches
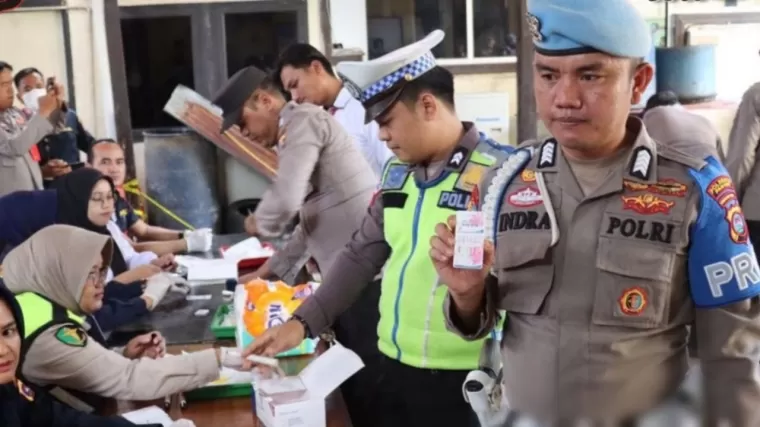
(605, 245)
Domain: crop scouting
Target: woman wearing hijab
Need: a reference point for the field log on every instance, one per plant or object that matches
(23, 405)
(58, 284)
(83, 198)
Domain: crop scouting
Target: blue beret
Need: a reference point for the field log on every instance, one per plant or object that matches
(568, 27)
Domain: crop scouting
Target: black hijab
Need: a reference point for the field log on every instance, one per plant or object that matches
(74, 192)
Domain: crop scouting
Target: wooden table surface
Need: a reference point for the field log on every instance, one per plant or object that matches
(239, 411)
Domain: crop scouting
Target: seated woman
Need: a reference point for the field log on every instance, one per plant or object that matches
(23, 405)
(84, 198)
(58, 278)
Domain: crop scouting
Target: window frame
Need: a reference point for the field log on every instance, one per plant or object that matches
(471, 59)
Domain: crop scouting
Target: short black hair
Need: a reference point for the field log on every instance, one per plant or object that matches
(438, 81)
(91, 151)
(5, 66)
(301, 55)
(21, 75)
(661, 99)
(270, 84)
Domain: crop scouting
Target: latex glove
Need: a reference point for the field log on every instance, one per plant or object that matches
(157, 287)
(179, 285)
(183, 423)
(199, 240)
(230, 358)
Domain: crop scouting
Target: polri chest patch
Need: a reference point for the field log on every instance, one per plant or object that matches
(454, 200)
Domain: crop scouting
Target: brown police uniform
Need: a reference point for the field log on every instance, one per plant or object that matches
(597, 321)
(741, 159)
(680, 129)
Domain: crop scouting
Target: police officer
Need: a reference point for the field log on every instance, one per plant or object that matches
(608, 244)
(669, 123)
(741, 159)
(418, 378)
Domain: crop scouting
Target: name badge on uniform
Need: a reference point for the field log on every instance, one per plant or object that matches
(396, 177)
(454, 200)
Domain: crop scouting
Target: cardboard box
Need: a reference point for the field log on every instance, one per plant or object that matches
(300, 400)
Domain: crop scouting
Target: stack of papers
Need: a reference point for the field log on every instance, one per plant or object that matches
(149, 415)
(206, 271)
(250, 248)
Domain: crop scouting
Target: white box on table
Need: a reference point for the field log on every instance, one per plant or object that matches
(300, 399)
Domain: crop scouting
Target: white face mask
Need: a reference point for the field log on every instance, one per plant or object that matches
(31, 99)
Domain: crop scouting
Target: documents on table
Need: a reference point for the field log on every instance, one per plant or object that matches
(149, 415)
(250, 248)
(203, 271)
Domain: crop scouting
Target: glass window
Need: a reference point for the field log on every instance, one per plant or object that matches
(257, 38)
(491, 29)
(393, 24)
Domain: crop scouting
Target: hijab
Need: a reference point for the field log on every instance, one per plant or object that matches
(55, 263)
(74, 192)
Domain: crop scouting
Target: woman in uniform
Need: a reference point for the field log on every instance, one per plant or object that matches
(58, 276)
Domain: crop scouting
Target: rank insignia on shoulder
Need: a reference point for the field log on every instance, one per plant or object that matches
(73, 336)
(641, 164)
(25, 391)
(547, 155)
(396, 177)
(457, 158)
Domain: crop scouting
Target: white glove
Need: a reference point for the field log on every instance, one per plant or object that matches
(157, 287)
(179, 285)
(230, 358)
(199, 240)
(183, 423)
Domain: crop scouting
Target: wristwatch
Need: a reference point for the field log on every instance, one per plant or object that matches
(306, 330)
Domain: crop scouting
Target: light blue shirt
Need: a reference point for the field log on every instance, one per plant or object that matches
(349, 112)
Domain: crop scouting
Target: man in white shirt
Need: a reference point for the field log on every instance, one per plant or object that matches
(307, 75)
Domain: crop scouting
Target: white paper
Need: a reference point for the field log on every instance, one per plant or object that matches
(249, 248)
(470, 237)
(281, 385)
(212, 270)
(328, 371)
(149, 415)
(181, 96)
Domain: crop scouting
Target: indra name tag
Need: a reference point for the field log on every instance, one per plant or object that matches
(469, 241)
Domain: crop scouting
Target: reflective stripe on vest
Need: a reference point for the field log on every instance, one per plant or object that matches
(38, 312)
(412, 326)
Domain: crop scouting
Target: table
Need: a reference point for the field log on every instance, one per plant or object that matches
(236, 412)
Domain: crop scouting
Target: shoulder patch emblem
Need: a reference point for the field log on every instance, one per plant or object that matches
(396, 177)
(73, 336)
(25, 391)
(722, 190)
(470, 177)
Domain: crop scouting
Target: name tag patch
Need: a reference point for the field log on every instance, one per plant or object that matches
(647, 204)
(470, 177)
(396, 177)
(454, 200)
(722, 190)
(525, 197)
(524, 220)
(641, 229)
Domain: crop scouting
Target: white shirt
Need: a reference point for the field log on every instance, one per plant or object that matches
(131, 256)
(349, 112)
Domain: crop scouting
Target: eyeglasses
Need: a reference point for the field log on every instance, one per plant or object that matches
(103, 200)
(97, 277)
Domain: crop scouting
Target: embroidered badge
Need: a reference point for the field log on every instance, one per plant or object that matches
(454, 200)
(722, 190)
(396, 177)
(457, 157)
(534, 26)
(525, 197)
(71, 335)
(666, 187)
(633, 301)
(641, 164)
(25, 391)
(647, 204)
(470, 177)
(528, 175)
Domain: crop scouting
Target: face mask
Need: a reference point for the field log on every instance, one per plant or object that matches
(31, 98)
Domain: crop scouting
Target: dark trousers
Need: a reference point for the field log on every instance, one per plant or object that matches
(387, 393)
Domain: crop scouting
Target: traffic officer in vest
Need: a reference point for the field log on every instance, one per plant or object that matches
(742, 160)
(629, 243)
(58, 276)
(418, 378)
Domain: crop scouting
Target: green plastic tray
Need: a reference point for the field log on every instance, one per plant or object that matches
(219, 331)
(220, 392)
